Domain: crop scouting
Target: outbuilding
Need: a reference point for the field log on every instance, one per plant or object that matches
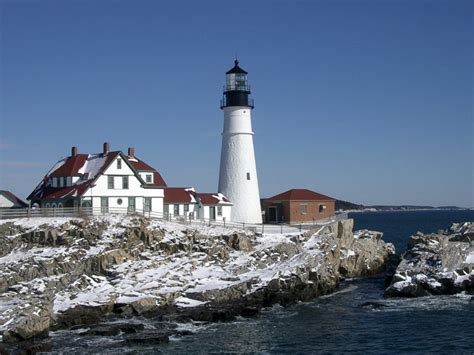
(298, 206)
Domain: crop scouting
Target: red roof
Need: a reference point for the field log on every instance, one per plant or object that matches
(71, 166)
(13, 198)
(300, 195)
(158, 180)
(212, 198)
(89, 168)
(46, 191)
(139, 165)
(178, 195)
(49, 192)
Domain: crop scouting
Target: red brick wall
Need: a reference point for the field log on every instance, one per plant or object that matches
(295, 214)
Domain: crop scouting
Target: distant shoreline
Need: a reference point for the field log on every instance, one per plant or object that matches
(405, 209)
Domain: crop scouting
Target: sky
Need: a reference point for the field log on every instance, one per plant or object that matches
(365, 101)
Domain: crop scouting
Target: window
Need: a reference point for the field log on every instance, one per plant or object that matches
(166, 210)
(131, 204)
(125, 182)
(64, 181)
(176, 210)
(303, 208)
(219, 211)
(104, 204)
(119, 163)
(248, 176)
(119, 201)
(148, 179)
(147, 204)
(186, 208)
(322, 208)
(86, 203)
(110, 182)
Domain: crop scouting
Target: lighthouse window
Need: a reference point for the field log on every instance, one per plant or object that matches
(248, 176)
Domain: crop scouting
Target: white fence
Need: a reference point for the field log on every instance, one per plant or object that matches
(84, 212)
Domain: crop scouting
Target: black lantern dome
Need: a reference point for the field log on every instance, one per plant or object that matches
(236, 89)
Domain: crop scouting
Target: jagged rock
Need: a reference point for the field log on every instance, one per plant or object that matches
(140, 306)
(111, 329)
(83, 270)
(238, 241)
(437, 263)
(33, 323)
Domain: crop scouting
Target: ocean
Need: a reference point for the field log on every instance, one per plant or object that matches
(356, 318)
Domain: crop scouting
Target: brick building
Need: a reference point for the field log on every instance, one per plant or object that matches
(298, 206)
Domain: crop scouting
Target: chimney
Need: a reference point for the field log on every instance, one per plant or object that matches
(131, 152)
(106, 148)
(73, 151)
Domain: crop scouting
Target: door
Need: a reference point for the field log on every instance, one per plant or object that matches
(212, 213)
(104, 204)
(131, 204)
(272, 215)
(147, 204)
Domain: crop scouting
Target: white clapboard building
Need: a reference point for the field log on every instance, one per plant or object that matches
(108, 181)
(112, 181)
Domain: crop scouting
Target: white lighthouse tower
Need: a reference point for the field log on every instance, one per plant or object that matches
(238, 171)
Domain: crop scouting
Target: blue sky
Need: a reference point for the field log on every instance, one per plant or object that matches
(367, 101)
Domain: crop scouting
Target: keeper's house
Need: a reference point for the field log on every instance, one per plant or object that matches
(298, 206)
(108, 181)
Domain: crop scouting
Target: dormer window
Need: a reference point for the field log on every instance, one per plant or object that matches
(119, 163)
(148, 178)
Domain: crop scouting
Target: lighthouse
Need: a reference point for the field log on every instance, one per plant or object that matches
(238, 171)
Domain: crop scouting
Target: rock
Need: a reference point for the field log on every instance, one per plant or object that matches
(140, 306)
(84, 270)
(34, 324)
(434, 264)
(249, 312)
(111, 329)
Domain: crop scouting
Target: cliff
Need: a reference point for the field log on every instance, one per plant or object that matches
(63, 273)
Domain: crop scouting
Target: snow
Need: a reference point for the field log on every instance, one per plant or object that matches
(220, 197)
(92, 165)
(156, 275)
(188, 302)
(35, 223)
(98, 292)
(470, 258)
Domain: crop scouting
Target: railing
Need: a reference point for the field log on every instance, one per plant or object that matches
(84, 212)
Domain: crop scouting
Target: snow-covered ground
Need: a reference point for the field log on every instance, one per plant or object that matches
(128, 261)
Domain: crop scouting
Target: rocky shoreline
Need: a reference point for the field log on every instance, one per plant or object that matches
(436, 263)
(77, 274)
